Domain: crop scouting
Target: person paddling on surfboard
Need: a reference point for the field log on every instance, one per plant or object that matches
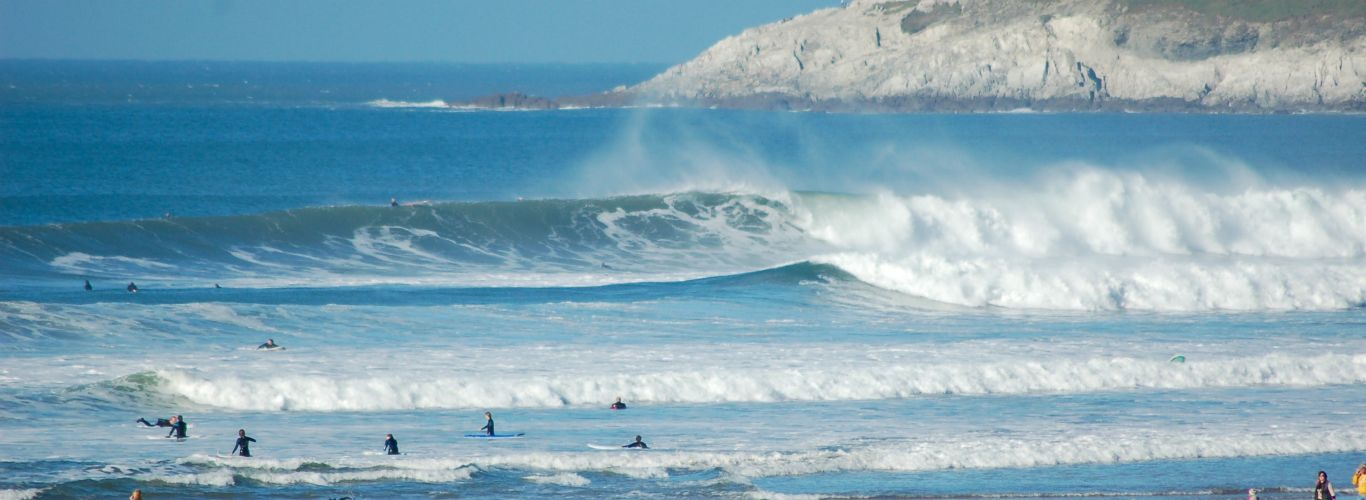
(618, 405)
(390, 444)
(638, 444)
(270, 344)
(161, 422)
(489, 426)
(132, 287)
(242, 442)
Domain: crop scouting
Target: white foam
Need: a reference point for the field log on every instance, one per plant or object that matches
(1090, 239)
(220, 478)
(562, 479)
(386, 103)
(931, 453)
(900, 376)
(24, 494)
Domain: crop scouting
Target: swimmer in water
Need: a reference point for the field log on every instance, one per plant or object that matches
(618, 405)
(390, 444)
(132, 287)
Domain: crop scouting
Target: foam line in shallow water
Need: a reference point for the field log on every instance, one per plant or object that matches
(968, 452)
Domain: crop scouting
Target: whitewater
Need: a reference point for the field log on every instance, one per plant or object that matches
(792, 305)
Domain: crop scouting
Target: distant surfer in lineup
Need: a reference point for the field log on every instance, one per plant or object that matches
(242, 442)
(178, 427)
(393, 202)
(390, 444)
(618, 405)
(87, 286)
(132, 287)
(488, 427)
(270, 344)
(161, 422)
(638, 444)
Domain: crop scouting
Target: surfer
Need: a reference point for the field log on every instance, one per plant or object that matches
(178, 427)
(270, 344)
(1323, 490)
(638, 444)
(618, 405)
(393, 202)
(161, 422)
(242, 441)
(489, 426)
(132, 287)
(87, 286)
(390, 444)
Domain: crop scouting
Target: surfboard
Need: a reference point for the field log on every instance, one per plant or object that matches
(607, 447)
(1178, 359)
(495, 436)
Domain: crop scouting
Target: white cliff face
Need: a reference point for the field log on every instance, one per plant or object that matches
(1003, 54)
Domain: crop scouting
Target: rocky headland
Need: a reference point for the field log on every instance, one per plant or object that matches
(1249, 56)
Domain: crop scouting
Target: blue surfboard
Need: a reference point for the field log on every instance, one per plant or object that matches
(495, 436)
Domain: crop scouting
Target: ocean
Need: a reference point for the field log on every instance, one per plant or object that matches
(792, 305)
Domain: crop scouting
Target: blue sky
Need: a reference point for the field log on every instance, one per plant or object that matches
(515, 31)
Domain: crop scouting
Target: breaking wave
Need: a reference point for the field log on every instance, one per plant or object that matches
(399, 391)
(1091, 240)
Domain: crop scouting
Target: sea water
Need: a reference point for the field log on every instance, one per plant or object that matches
(791, 304)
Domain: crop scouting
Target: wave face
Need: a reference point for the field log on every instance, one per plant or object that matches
(543, 242)
(1083, 240)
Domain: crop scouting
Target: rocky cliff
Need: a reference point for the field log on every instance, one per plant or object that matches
(999, 55)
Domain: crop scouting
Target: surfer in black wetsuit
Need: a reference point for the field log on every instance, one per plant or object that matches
(618, 405)
(270, 344)
(489, 426)
(161, 422)
(393, 202)
(87, 286)
(390, 444)
(178, 427)
(242, 441)
(132, 287)
(638, 444)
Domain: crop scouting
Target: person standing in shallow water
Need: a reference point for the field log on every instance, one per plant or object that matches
(242, 443)
(1323, 490)
(1359, 479)
(390, 444)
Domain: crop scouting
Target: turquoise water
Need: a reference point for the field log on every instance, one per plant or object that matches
(792, 304)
